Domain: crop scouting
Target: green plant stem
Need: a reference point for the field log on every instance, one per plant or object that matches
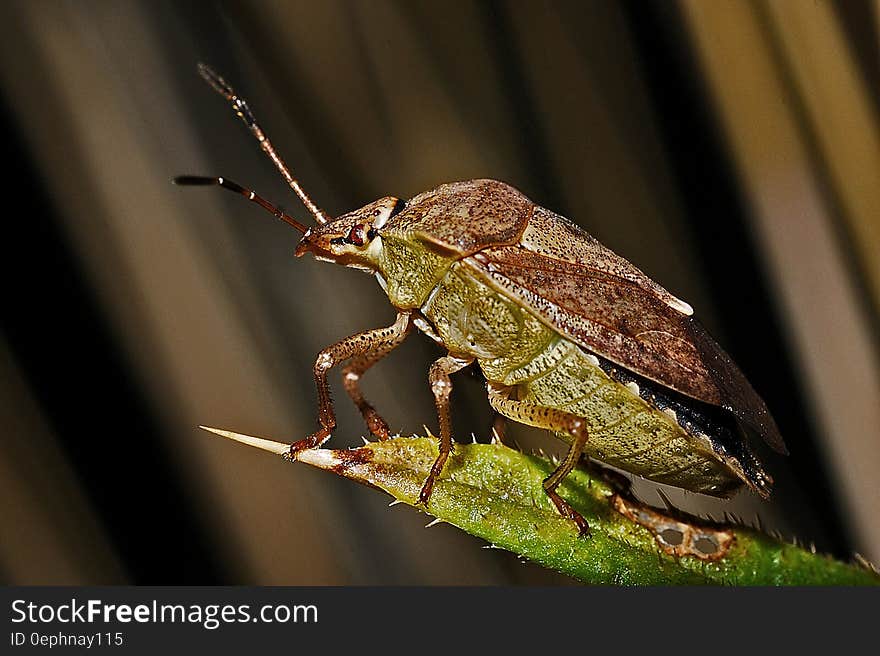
(494, 492)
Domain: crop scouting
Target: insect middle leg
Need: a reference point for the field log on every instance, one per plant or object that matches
(351, 376)
(359, 344)
(441, 386)
(553, 419)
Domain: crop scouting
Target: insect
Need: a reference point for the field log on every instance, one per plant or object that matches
(569, 336)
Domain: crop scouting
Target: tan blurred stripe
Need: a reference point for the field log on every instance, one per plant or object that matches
(841, 114)
(50, 534)
(809, 274)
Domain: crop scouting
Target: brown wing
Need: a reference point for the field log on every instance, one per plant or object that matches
(608, 306)
(464, 217)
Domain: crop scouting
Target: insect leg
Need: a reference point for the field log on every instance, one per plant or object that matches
(553, 419)
(441, 386)
(351, 376)
(356, 345)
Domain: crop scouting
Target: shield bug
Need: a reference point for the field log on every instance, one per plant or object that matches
(569, 336)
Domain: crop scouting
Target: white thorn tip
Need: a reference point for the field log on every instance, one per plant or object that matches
(279, 448)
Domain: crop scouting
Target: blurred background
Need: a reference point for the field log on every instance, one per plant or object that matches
(730, 149)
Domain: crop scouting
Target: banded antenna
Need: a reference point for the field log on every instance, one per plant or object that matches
(204, 181)
(240, 106)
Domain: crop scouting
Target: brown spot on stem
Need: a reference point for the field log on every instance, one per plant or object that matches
(676, 537)
(350, 458)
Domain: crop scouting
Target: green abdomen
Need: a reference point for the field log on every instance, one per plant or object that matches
(625, 430)
(515, 349)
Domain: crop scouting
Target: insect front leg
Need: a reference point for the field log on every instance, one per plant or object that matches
(556, 420)
(441, 386)
(359, 344)
(351, 376)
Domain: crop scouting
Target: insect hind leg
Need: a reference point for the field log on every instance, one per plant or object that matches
(533, 414)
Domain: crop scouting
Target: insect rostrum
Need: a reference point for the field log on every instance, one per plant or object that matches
(569, 336)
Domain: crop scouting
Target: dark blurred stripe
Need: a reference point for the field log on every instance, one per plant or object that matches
(107, 429)
(535, 147)
(823, 177)
(861, 23)
(303, 106)
(360, 35)
(717, 214)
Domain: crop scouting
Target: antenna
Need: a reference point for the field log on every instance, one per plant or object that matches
(202, 181)
(240, 106)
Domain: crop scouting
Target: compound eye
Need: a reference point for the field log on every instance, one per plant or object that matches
(357, 235)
